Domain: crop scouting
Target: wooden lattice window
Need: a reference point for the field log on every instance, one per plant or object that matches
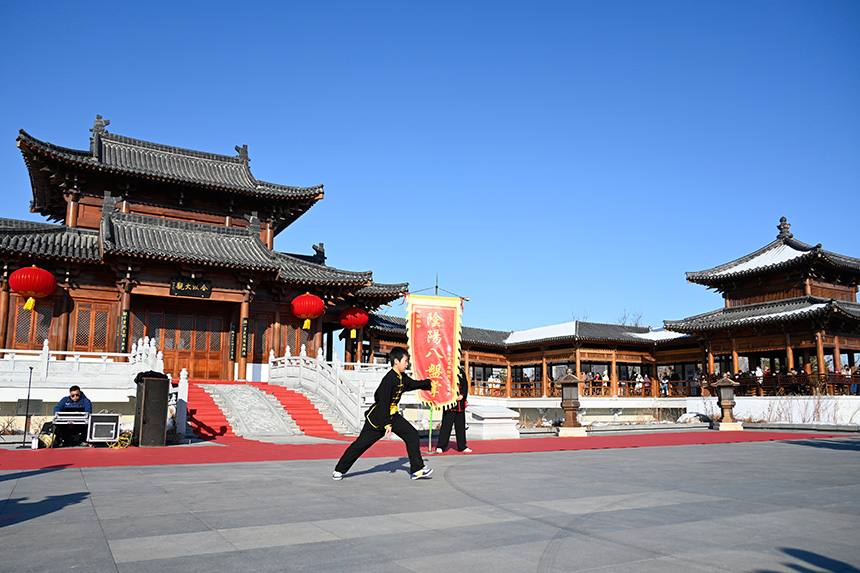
(138, 327)
(200, 334)
(257, 344)
(92, 322)
(186, 331)
(153, 329)
(215, 327)
(32, 327)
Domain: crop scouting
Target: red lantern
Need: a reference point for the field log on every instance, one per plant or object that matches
(353, 318)
(307, 306)
(32, 283)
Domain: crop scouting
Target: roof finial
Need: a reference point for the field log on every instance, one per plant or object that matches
(100, 124)
(783, 227)
(243, 153)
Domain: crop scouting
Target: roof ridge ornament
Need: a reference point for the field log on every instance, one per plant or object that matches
(783, 227)
(243, 153)
(98, 128)
(100, 124)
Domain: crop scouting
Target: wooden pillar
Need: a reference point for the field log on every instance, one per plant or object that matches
(4, 311)
(837, 355)
(277, 336)
(736, 367)
(789, 353)
(359, 345)
(316, 340)
(508, 381)
(72, 197)
(124, 309)
(270, 236)
(578, 363)
(613, 374)
(63, 321)
(819, 350)
(329, 345)
(544, 379)
(244, 316)
(807, 287)
(710, 359)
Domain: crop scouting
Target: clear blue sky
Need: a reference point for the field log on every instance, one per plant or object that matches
(549, 160)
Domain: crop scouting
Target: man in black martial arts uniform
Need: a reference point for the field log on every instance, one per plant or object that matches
(383, 418)
(455, 417)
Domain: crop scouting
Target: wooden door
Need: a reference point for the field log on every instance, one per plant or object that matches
(189, 338)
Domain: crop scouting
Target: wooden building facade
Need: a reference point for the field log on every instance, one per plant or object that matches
(790, 308)
(174, 244)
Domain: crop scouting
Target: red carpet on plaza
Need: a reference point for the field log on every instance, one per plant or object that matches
(228, 450)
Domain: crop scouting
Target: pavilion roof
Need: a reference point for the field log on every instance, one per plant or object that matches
(782, 254)
(568, 331)
(124, 155)
(768, 313)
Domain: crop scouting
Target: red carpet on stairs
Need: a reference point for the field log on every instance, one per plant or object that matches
(204, 416)
(231, 450)
(208, 421)
(300, 409)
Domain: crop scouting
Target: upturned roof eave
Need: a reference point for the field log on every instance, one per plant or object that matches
(816, 308)
(84, 159)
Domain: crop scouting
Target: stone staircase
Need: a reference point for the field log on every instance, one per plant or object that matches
(314, 419)
(234, 410)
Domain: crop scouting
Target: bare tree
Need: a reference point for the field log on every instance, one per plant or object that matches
(630, 317)
(581, 316)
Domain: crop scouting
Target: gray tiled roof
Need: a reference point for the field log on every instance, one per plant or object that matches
(294, 269)
(167, 239)
(122, 154)
(785, 252)
(570, 332)
(609, 332)
(383, 290)
(776, 312)
(48, 240)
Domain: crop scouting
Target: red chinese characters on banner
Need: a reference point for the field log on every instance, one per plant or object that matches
(433, 327)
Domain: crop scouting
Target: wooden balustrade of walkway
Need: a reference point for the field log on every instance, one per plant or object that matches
(773, 385)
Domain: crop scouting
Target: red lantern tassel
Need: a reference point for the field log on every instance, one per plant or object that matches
(352, 333)
(30, 304)
(307, 324)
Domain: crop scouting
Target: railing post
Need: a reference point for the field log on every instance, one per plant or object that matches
(182, 403)
(44, 357)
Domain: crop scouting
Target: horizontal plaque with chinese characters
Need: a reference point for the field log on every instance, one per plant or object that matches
(200, 288)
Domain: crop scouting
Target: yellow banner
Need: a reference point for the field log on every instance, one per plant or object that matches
(433, 330)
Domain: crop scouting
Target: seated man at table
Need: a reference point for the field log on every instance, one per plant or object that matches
(72, 434)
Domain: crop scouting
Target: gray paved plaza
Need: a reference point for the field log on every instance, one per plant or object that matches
(791, 506)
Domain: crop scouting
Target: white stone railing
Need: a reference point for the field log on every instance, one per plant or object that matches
(105, 376)
(347, 388)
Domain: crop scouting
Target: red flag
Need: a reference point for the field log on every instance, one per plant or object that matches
(433, 328)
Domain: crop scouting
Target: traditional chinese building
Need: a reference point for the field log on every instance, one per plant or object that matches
(788, 306)
(174, 244)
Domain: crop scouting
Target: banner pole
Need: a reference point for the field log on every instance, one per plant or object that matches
(430, 435)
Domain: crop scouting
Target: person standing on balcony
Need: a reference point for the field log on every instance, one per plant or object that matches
(383, 418)
(455, 416)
